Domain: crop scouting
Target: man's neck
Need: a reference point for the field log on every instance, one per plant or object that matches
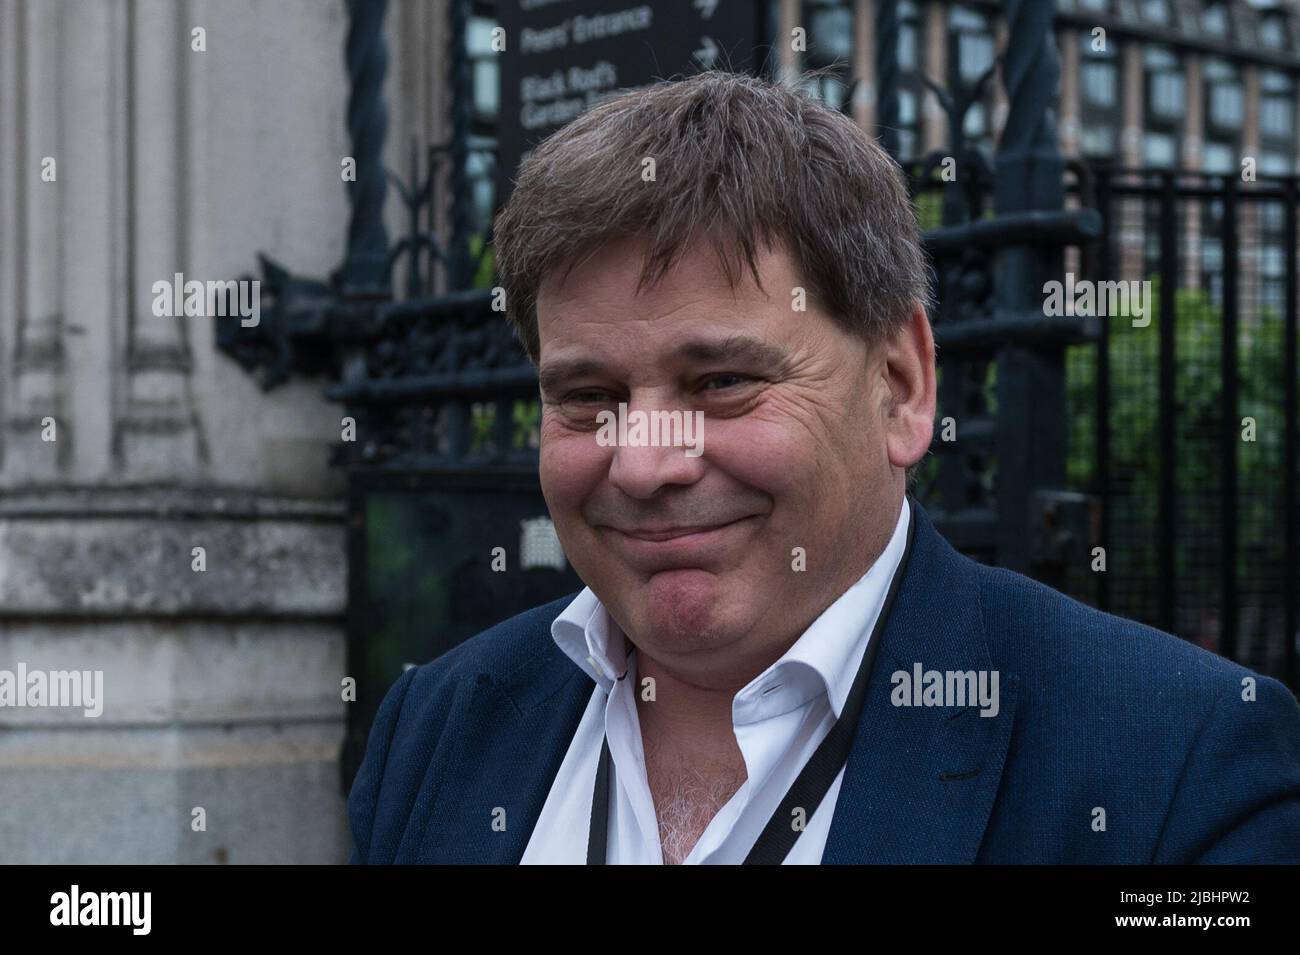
(680, 709)
(693, 761)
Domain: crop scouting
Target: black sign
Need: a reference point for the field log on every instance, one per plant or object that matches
(562, 56)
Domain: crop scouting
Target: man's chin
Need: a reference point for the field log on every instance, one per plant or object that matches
(687, 610)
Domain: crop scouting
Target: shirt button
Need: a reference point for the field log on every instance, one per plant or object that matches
(597, 667)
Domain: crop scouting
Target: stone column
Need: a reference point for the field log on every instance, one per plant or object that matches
(37, 432)
(934, 59)
(864, 64)
(183, 533)
(788, 62)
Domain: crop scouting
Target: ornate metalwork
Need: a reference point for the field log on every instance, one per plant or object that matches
(1000, 358)
(461, 82)
(399, 364)
(887, 84)
(417, 197)
(365, 269)
(291, 337)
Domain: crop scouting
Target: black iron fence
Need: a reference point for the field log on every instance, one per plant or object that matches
(1184, 420)
(1181, 409)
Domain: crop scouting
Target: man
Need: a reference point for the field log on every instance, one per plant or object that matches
(777, 659)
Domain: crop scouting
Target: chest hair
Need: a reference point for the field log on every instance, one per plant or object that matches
(687, 796)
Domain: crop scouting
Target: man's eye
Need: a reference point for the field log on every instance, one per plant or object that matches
(586, 397)
(722, 382)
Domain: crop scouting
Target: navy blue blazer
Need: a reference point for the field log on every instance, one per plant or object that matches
(1096, 713)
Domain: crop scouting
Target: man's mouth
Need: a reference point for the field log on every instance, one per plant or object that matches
(678, 542)
(671, 533)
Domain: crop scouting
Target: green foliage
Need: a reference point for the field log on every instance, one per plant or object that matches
(400, 587)
(1198, 393)
(485, 277)
(929, 208)
(525, 416)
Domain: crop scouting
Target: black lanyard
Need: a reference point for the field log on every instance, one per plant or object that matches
(809, 788)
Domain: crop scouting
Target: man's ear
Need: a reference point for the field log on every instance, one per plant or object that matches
(909, 373)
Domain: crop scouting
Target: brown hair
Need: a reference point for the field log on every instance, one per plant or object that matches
(737, 158)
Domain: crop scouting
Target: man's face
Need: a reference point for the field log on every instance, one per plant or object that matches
(695, 556)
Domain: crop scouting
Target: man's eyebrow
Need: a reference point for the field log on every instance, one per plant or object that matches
(554, 374)
(749, 352)
(752, 352)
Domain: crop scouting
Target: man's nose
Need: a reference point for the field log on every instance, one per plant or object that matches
(641, 470)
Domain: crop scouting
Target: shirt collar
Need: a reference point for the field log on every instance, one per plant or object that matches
(825, 658)
(589, 637)
(822, 660)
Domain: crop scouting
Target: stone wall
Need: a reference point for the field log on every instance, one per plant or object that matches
(222, 684)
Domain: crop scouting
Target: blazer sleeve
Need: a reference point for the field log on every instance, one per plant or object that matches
(1238, 798)
(364, 797)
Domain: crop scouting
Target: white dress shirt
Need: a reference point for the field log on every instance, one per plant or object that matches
(779, 718)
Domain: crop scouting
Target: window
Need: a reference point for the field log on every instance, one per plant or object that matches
(907, 144)
(1219, 158)
(911, 91)
(1097, 141)
(830, 44)
(1274, 163)
(1212, 250)
(1160, 149)
(907, 37)
(1098, 83)
(1099, 98)
(1165, 96)
(974, 42)
(1277, 133)
(1272, 267)
(1224, 97)
(1224, 108)
(485, 69)
(1276, 104)
(485, 95)
(1214, 19)
(830, 28)
(1275, 116)
(1226, 105)
(970, 54)
(1272, 29)
(1212, 254)
(1165, 84)
(1156, 11)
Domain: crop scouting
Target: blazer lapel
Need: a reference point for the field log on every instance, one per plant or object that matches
(513, 735)
(920, 781)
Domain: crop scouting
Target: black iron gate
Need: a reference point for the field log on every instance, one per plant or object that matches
(1185, 420)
